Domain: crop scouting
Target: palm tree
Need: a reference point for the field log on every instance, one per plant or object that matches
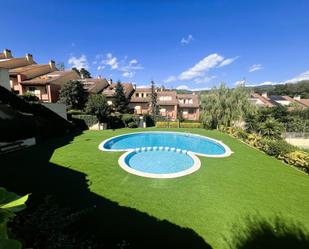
(271, 128)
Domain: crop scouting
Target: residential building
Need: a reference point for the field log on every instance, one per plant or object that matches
(140, 101)
(94, 86)
(109, 91)
(167, 101)
(47, 86)
(189, 106)
(43, 80)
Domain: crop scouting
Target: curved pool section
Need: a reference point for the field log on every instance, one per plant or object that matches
(199, 145)
(159, 162)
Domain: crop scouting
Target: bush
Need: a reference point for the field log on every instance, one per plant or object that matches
(90, 120)
(149, 120)
(299, 159)
(276, 148)
(29, 97)
(132, 125)
(191, 125)
(127, 118)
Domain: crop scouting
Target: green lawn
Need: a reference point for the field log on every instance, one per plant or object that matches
(211, 203)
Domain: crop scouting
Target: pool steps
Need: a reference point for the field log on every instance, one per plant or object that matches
(160, 148)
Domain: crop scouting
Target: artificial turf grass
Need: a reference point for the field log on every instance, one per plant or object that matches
(210, 201)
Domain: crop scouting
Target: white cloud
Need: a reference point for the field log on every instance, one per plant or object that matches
(255, 67)
(79, 63)
(132, 62)
(201, 67)
(228, 61)
(170, 79)
(186, 41)
(182, 87)
(111, 61)
(204, 79)
(128, 74)
(300, 77)
(100, 68)
(240, 82)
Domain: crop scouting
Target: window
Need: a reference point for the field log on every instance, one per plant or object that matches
(31, 89)
(191, 111)
(165, 98)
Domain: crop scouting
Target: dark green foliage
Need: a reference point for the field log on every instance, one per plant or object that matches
(127, 118)
(132, 125)
(84, 73)
(97, 105)
(120, 101)
(74, 95)
(149, 120)
(29, 97)
(154, 108)
(258, 233)
(276, 147)
(89, 120)
(301, 88)
(271, 128)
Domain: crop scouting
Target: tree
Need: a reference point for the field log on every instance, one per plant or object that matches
(74, 95)
(30, 97)
(154, 108)
(224, 106)
(84, 73)
(97, 105)
(120, 100)
(271, 128)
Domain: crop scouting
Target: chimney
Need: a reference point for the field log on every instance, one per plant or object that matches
(7, 53)
(193, 93)
(264, 94)
(52, 64)
(134, 86)
(29, 58)
(297, 97)
(110, 81)
(99, 76)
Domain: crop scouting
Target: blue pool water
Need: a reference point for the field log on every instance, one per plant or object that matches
(159, 162)
(184, 141)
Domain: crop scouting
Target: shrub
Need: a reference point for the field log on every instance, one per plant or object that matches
(276, 148)
(90, 120)
(10, 203)
(299, 159)
(127, 118)
(191, 125)
(30, 97)
(149, 120)
(132, 125)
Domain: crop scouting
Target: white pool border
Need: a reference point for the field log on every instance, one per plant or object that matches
(227, 153)
(196, 165)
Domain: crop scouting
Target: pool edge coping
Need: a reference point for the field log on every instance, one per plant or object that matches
(196, 166)
(227, 153)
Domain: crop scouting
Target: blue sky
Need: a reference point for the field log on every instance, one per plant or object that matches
(187, 44)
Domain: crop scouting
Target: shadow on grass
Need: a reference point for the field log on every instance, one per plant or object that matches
(104, 221)
(258, 233)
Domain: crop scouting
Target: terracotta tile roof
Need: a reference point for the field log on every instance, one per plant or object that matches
(15, 63)
(52, 77)
(188, 100)
(304, 102)
(170, 98)
(110, 90)
(136, 99)
(95, 85)
(33, 70)
(266, 101)
(2, 56)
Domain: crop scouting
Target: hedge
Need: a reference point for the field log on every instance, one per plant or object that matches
(176, 124)
(90, 120)
(277, 148)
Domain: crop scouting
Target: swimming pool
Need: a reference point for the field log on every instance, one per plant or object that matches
(159, 162)
(160, 154)
(197, 144)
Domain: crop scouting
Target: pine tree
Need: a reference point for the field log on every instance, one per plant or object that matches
(154, 108)
(74, 95)
(120, 101)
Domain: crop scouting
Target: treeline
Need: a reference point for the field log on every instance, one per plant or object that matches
(291, 89)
